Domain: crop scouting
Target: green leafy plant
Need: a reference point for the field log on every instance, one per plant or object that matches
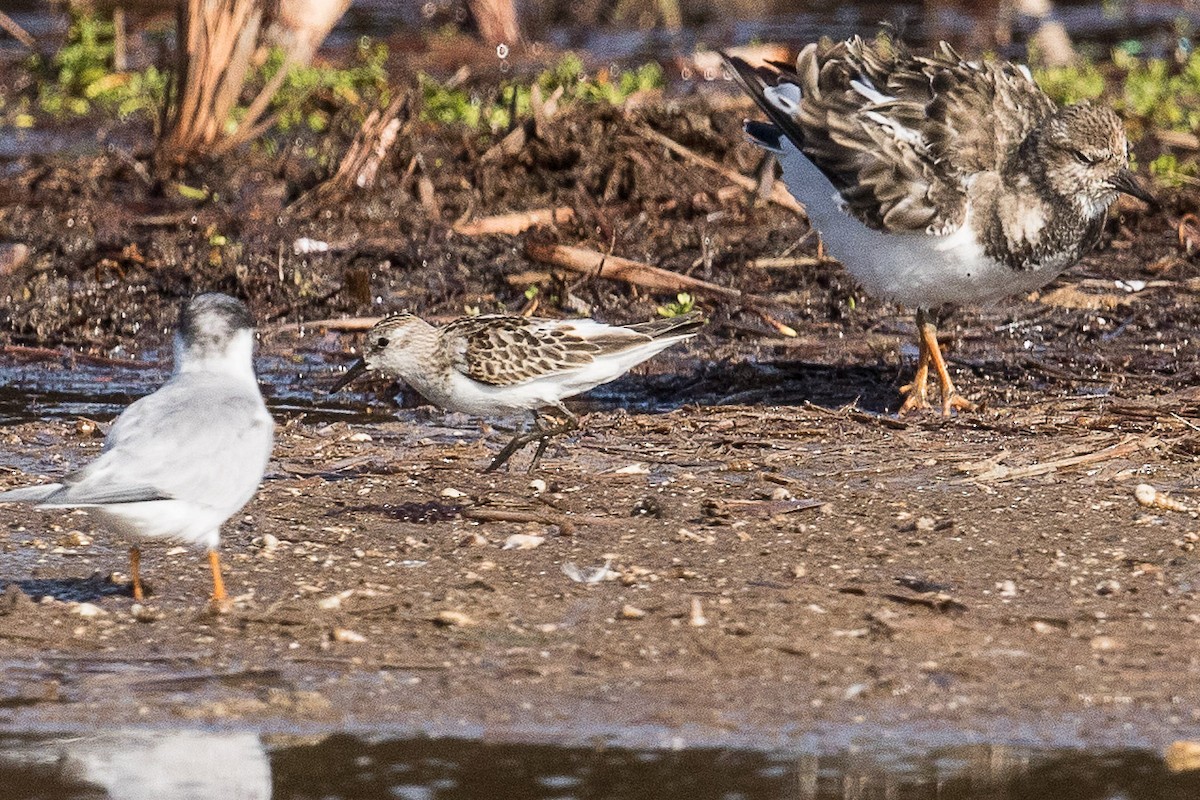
(310, 95)
(1164, 97)
(1071, 84)
(683, 304)
(495, 111)
(1168, 170)
(82, 79)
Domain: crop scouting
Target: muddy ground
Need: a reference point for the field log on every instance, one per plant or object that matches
(785, 556)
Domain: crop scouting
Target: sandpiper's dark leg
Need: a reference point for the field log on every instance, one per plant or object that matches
(515, 444)
(135, 573)
(569, 422)
(931, 355)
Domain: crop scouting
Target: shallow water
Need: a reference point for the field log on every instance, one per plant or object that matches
(65, 389)
(147, 763)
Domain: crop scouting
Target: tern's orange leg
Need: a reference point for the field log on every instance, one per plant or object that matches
(214, 561)
(135, 573)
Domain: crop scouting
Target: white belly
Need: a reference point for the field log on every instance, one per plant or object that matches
(914, 269)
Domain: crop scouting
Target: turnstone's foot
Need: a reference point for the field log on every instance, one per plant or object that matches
(916, 393)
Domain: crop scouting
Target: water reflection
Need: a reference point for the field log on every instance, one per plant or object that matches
(182, 765)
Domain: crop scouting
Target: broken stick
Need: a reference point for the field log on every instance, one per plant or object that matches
(513, 224)
(590, 262)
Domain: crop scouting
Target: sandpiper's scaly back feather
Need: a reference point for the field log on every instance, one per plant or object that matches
(496, 364)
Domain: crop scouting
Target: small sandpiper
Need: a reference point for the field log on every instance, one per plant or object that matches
(936, 180)
(180, 462)
(491, 365)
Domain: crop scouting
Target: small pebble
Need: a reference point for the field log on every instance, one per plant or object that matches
(523, 541)
(452, 618)
(537, 485)
(631, 612)
(452, 493)
(143, 613)
(89, 610)
(347, 636)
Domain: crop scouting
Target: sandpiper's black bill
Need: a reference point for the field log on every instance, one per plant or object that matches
(1125, 181)
(356, 369)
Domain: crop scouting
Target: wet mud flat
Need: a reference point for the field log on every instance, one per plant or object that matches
(749, 573)
(744, 548)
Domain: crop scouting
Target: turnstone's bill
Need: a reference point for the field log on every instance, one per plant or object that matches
(494, 364)
(181, 461)
(937, 180)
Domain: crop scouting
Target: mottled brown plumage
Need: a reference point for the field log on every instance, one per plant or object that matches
(497, 364)
(937, 180)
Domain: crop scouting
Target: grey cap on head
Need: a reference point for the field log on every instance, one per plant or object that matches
(213, 316)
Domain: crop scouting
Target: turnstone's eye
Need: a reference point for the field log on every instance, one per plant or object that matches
(381, 342)
(1084, 158)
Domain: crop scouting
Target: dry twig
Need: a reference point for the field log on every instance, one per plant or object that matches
(14, 30)
(1126, 447)
(779, 193)
(513, 224)
(364, 156)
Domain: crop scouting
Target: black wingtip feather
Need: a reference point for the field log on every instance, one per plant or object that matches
(766, 135)
(754, 80)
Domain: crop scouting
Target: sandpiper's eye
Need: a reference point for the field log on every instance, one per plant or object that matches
(381, 342)
(1084, 158)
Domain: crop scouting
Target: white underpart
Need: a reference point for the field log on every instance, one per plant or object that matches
(469, 396)
(914, 269)
(133, 764)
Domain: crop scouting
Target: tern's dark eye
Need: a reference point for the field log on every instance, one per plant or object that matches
(381, 343)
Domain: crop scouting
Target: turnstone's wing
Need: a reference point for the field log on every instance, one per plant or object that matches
(507, 350)
(898, 135)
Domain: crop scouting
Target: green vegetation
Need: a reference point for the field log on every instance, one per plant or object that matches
(1163, 95)
(311, 95)
(683, 304)
(79, 77)
(1171, 172)
(511, 101)
(1072, 84)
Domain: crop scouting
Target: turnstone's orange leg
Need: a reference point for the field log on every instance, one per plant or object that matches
(915, 393)
(951, 399)
(135, 574)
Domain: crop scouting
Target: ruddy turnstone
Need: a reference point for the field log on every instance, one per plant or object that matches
(179, 462)
(936, 180)
(495, 364)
